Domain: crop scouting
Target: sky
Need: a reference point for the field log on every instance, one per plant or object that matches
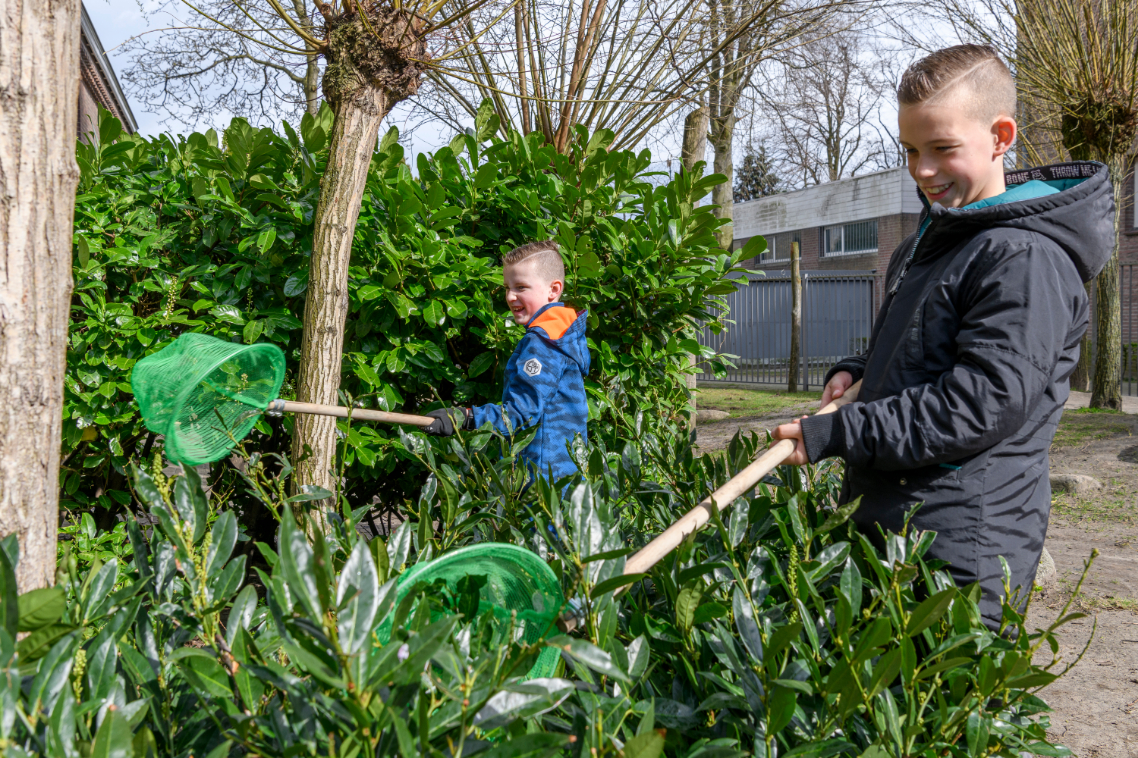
(116, 21)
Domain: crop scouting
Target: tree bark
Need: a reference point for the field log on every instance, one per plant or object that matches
(722, 138)
(694, 147)
(795, 318)
(1081, 379)
(694, 150)
(1106, 389)
(312, 85)
(39, 102)
(354, 134)
(312, 66)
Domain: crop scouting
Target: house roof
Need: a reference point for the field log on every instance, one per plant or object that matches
(97, 73)
(882, 193)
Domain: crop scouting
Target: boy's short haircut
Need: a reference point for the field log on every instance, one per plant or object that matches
(546, 255)
(991, 88)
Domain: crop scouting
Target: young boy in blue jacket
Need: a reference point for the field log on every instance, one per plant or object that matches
(545, 376)
(968, 364)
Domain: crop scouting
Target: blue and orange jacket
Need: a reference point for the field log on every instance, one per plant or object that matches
(545, 384)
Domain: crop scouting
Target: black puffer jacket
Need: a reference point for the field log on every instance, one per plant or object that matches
(967, 372)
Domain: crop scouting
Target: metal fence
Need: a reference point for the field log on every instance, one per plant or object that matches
(837, 315)
(838, 308)
(1128, 292)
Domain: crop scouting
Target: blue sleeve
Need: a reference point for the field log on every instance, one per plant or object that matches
(531, 380)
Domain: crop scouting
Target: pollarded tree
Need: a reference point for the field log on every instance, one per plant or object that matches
(553, 64)
(376, 54)
(39, 74)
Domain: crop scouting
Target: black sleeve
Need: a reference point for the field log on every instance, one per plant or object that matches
(1017, 319)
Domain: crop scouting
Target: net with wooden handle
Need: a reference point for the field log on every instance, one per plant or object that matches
(651, 554)
(360, 414)
(654, 551)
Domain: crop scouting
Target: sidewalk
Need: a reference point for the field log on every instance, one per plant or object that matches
(1083, 400)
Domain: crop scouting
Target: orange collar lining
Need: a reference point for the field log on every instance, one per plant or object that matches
(555, 321)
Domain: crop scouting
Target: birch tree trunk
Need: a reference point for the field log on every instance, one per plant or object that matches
(39, 101)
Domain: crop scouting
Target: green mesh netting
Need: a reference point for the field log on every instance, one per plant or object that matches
(205, 394)
(516, 581)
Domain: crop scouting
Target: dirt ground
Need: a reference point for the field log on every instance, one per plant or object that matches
(1096, 703)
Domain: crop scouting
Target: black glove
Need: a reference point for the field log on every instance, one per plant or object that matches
(447, 419)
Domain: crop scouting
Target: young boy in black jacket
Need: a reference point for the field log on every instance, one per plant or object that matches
(968, 364)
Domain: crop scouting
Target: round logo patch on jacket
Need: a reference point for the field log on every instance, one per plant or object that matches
(532, 367)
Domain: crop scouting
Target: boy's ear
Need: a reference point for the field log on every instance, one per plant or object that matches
(1004, 131)
(556, 287)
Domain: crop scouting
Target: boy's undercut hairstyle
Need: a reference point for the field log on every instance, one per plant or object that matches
(991, 88)
(545, 254)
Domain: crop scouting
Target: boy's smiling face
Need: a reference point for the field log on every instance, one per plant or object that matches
(527, 291)
(955, 157)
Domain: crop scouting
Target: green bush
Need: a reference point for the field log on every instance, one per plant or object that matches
(187, 234)
(779, 632)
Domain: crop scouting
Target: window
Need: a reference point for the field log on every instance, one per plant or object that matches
(778, 247)
(850, 239)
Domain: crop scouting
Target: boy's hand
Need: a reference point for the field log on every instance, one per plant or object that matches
(836, 387)
(446, 420)
(793, 431)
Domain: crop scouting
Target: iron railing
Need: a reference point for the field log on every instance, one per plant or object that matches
(837, 315)
(838, 309)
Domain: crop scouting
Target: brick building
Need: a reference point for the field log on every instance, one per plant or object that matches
(856, 224)
(850, 224)
(98, 84)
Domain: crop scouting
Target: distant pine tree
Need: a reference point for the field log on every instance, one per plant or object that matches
(756, 177)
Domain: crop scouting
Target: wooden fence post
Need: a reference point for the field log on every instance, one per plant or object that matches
(795, 318)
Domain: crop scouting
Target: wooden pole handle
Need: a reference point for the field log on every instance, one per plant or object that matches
(361, 414)
(655, 550)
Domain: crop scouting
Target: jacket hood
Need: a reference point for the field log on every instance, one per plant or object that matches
(1079, 218)
(563, 329)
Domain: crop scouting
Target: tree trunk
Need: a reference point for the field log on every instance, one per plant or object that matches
(370, 67)
(354, 134)
(694, 147)
(795, 318)
(1106, 391)
(312, 85)
(693, 151)
(39, 102)
(1081, 379)
(722, 138)
(312, 65)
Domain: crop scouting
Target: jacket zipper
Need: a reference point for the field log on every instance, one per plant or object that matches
(912, 254)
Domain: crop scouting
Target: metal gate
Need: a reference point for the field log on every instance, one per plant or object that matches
(837, 315)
